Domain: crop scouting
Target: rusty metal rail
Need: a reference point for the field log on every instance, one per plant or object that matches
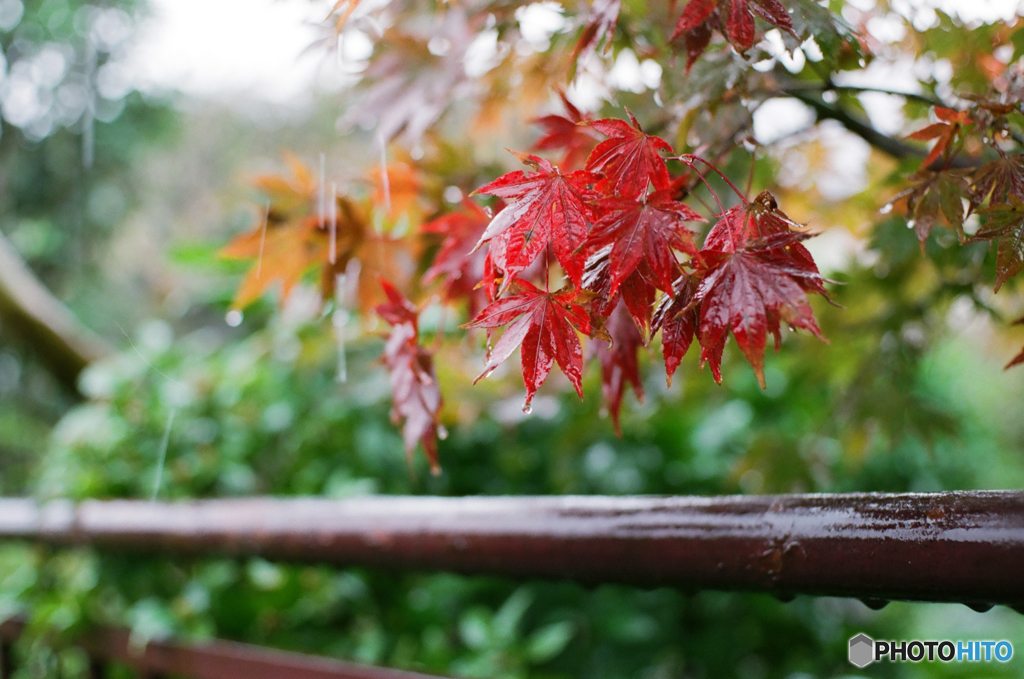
(957, 547)
(209, 660)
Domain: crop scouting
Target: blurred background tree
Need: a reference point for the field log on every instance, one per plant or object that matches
(72, 131)
(121, 199)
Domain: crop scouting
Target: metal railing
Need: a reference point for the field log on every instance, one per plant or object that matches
(964, 547)
(210, 660)
(956, 547)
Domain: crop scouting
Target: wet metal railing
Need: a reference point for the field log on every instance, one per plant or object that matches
(963, 547)
(210, 660)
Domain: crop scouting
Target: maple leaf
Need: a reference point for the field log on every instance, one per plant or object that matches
(737, 18)
(629, 159)
(415, 394)
(1006, 223)
(289, 240)
(943, 132)
(565, 132)
(998, 179)
(283, 249)
(696, 42)
(294, 240)
(1019, 358)
(545, 324)
(397, 189)
(754, 276)
(456, 262)
(378, 256)
(406, 89)
(938, 194)
(649, 232)
(544, 207)
(676, 318)
(619, 363)
(637, 291)
(604, 15)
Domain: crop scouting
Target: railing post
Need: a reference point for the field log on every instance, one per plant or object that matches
(97, 668)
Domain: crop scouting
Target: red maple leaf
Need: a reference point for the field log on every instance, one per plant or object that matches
(565, 132)
(619, 363)
(415, 394)
(1019, 358)
(677, 319)
(1005, 223)
(936, 196)
(544, 207)
(629, 159)
(637, 291)
(456, 262)
(650, 232)
(999, 179)
(943, 132)
(604, 15)
(754, 276)
(545, 323)
(737, 17)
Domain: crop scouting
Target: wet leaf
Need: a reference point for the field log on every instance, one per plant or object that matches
(1005, 223)
(415, 394)
(620, 367)
(545, 324)
(629, 159)
(545, 207)
(755, 275)
(650, 232)
(677, 319)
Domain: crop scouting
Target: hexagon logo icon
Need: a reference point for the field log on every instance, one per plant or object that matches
(862, 650)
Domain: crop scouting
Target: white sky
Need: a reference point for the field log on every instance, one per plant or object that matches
(228, 48)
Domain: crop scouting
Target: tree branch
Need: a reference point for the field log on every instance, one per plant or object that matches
(894, 147)
(818, 89)
(42, 322)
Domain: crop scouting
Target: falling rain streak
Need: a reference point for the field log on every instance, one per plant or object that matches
(333, 255)
(89, 115)
(346, 289)
(263, 242)
(162, 457)
(322, 196)
(384, 179)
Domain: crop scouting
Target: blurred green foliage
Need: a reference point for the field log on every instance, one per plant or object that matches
(58, 213)
(889, 405)
(905, 398)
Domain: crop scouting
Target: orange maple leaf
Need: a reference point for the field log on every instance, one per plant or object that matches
(295, 239)
(944, 132)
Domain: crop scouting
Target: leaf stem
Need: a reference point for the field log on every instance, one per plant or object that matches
(687, 157)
